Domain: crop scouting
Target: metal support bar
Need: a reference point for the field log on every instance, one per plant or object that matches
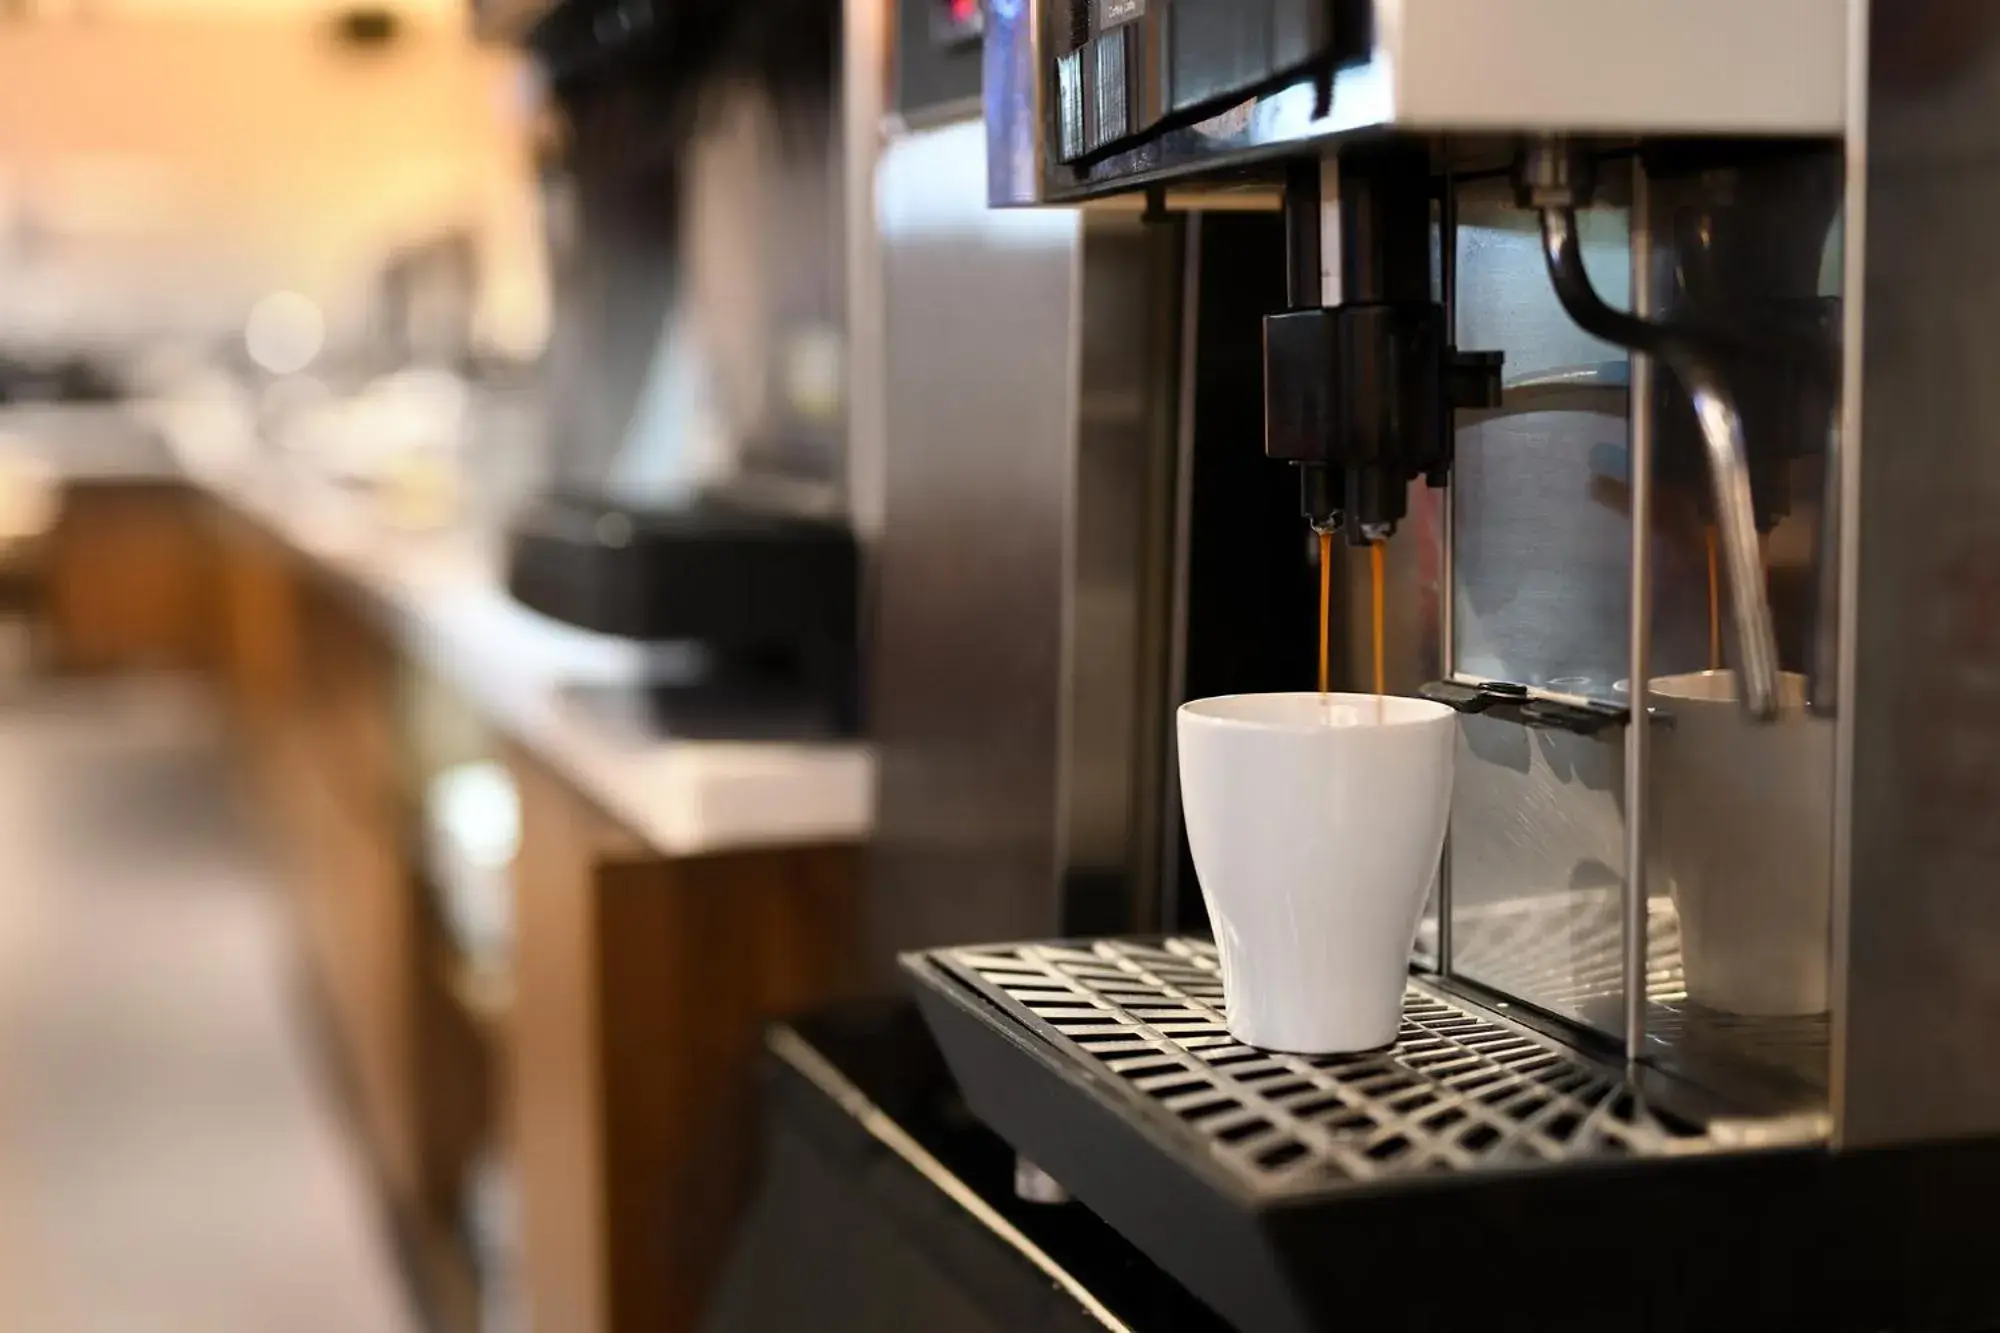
(1301, 216)
(1823, 683)
(1332, 236)
(1638, 737)
(1447, 526)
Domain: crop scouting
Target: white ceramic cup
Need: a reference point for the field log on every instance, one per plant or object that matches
(1743, 828)
(1316, 823)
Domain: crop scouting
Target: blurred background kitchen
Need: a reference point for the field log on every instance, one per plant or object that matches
(377, 952)
(544, 542)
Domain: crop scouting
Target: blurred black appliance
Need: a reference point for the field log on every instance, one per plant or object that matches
(72, 379)
(770, 599)
(695, 410)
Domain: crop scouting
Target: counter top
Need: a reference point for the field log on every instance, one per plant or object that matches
(441, 598)
(87, 442)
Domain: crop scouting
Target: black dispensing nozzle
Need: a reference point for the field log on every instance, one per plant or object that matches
(1320, 498)
(1359, 391)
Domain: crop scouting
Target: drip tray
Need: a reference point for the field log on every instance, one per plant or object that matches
(1272, 1184)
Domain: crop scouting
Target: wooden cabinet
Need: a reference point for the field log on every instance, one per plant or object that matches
(257, 634)
(616, 1066)
(312, 688)
(642, 987)
(130, 579)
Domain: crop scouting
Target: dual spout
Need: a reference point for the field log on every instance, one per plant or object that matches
(1361, 378)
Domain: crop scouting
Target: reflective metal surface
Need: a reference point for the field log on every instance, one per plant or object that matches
(1500, 67)
(1463, 1090)
(970, 566)
(1597, 534)
(1567, 947)
(1546, 577)
(1034, 1185)
(1532, 570)
(1919, 928)
(1639, 638)
(865, 62)
(1721, 427)
(1535, 816)
(1118, 656)
(1739, 249)
(1729, 478)
(1604, 386)
(1539, 495)
(1825, 684)
(1023, 571)
(1540, 589)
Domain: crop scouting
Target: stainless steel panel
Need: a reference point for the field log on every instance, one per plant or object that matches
(1640, 826)
(1747, 243)
(864, 94)
(1543, 568)
(1540, 566)
(1536, 822)
(1413, 581)
(1020, 60)
(1499, 67)
(1918, 1006)
(1118, 661)
(1021, 581)
(1540, 521)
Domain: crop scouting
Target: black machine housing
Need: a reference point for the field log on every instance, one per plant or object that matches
(772, 602)
(1133, 68)
(1360, 394)
(743, 571)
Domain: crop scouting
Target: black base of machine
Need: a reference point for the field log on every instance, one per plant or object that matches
(1476, 1175)
(727, 699)
(770, 602)
(883, 1205)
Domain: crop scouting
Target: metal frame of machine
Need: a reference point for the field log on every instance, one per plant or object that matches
(1447, 79)
(1559, 97)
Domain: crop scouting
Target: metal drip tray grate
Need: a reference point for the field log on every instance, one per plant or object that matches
(1564, 953)
(1460, 1091)
(1435, 1174)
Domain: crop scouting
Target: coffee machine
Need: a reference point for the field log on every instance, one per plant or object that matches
(1646, 336)
(697, 490)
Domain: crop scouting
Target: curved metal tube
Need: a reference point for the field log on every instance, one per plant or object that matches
(1682, 351)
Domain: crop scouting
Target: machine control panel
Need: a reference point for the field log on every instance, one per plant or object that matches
(1132, 68)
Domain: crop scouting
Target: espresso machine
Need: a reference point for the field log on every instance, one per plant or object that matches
(1646, 340)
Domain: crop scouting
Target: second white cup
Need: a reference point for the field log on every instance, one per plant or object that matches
(1316, 823)
(1744, 814)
